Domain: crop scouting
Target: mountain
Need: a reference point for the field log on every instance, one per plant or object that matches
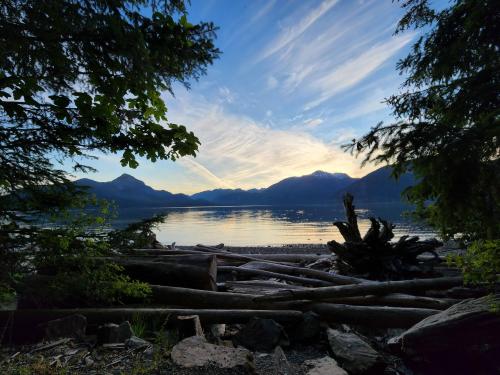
(318, 187)
(127, 191)
(378, 186)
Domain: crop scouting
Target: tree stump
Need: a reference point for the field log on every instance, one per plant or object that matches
(374, 256)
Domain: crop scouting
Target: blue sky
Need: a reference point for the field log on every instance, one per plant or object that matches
(296, 80)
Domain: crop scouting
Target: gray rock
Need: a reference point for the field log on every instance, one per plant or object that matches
(195, 351)
(308, 328)
(324, 366)
(463, 337)
(261, 335)
(281, 365)
(111, 333)
(73, 326)
(135, 342)
(354, 353)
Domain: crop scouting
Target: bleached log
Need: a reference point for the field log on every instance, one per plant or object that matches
(268, 274)
(297, 271)
(379, 288)
(372, 316)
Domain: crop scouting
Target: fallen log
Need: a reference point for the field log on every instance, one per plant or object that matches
(268, 274)
(398, 300)
(379, 288)
(373, 316)
(257, 287)
(194, 298)
(196, 271)
(290, 270)
(287, 258)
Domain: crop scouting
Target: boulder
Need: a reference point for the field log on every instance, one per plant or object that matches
(111, 333)
(195, 351)
(324, 366)
(464, 337)
(72, 326)
(261, 335)
(354, 353)
(307, 329)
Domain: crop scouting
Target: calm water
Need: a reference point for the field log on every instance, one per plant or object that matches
(265, 225)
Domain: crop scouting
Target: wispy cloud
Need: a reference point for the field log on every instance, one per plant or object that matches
(290, 33)
(355, 70)
(246, 153)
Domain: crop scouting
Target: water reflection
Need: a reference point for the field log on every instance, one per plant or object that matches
(266, 225)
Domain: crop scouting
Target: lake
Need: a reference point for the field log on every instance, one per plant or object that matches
(266, 225)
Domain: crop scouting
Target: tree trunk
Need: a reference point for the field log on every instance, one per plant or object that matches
(398, 300)
(373, 316)
(243, 258)
(379, 288)
(195, 271)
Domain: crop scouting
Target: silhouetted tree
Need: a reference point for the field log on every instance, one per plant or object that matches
(448, 130)
(78, 77)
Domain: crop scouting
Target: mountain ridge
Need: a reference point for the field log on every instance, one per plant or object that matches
(319, 187)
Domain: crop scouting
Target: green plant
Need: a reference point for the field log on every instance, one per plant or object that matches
(480, 263)
(139, 325)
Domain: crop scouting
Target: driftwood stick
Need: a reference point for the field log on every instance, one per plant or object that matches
(268, 274)
(379, 288)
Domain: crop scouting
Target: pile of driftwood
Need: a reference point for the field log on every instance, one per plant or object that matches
(224, 287)
(374, 255)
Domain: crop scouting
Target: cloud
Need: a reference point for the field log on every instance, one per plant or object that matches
(289, 34)
(355, 70)
(226, 95)
(313, 122)
(246, 153)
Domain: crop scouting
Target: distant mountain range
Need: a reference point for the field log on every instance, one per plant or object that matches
(127, 191)
(316, 188)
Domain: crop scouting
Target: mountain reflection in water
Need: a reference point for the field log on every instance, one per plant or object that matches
(266, 225)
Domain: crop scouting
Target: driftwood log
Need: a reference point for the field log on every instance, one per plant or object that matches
(195, 271)
(373, 255)
(380, 288)
(237, 258)
(276, 275)
(299, 271)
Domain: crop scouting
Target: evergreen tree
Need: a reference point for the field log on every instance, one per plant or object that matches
(447, 130)
(78, 77)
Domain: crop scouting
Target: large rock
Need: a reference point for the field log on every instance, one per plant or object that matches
(195, 351)
(465, 335)
(261, 335)
(73, 326)
(324, 366)
(308, 329)
(111, 333)
(354, 353)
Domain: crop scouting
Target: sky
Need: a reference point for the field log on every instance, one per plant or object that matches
(295, 81)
